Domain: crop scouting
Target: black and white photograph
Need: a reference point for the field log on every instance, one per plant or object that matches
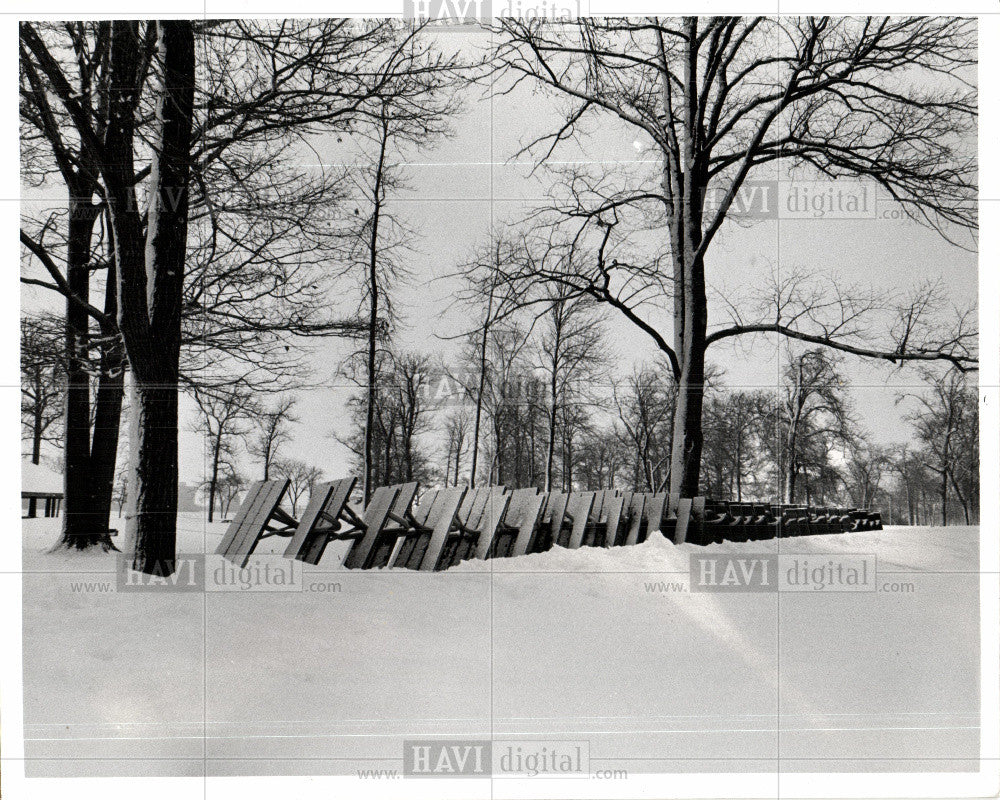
(456, 401)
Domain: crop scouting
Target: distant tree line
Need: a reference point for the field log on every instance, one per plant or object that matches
(799, 441)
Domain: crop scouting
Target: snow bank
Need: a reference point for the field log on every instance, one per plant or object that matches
(605, 646)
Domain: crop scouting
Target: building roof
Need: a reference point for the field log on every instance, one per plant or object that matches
(39, 479)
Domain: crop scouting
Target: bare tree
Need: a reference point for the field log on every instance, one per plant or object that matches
(811, 414)
(261, 85)
(912, 477)
(602, 458)
(887, 99)
(734, 426)
(414, 110)
(410, 388)
(222, 416)
(271, 431)
(865, 467)
(89, 452)
(946, 423)
(150, 262)
(456, 437)
(302, 479)
(119, 494)
(570, 354)
(564, 331)
(644, 404)
(231, 484)
(148, 315)
(513, 405)
(485, 300)
(42, 386)
(401, 418)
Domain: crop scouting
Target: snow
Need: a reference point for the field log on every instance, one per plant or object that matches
(605, 646)
(39, 478)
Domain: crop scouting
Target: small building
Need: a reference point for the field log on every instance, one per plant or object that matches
(39, 483)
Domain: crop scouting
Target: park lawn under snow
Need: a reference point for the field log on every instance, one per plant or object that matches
(607, 646)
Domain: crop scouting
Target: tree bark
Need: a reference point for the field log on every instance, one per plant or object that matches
(685, 183)
(104, 447)
(151, 274)
(739, 474)
(214, 479)
(81, 523)
(961, 498)
(944, 498)
(36, 423)
(550, 445)
(152, 497)
(688, 438)
(481, 388)
(107, 411)
(373, 289)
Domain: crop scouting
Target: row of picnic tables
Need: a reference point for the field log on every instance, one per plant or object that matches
(446, 526)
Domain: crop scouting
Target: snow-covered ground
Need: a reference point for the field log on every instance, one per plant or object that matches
(604, 646)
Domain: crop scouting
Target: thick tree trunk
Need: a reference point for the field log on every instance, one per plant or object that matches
(685, 460)
(151, 274)
(789, 483)
(107, 412)
(152, 494)
(685, 182)
(104, 449)
(82, 527)
(688, 439)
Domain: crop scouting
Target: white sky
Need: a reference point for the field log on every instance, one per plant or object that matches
(466, 184)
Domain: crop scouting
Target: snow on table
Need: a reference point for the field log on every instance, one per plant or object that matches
(605, 646)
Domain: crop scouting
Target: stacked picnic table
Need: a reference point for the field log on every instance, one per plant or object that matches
(446, 526)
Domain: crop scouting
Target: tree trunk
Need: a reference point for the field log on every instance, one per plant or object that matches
(104, 448)
(108, 411)
(568, 479)
(81, 523)
(151, 273)
(944, 497)
(688, 439)
(550, 445)
(685, 183)
(36, 425)
(214, 479)
(739, 474)
(152, 495)
(373, 289)
(962, 499)
(367, 477)
(790, 466)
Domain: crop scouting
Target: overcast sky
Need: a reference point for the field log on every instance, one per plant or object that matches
(468, 183)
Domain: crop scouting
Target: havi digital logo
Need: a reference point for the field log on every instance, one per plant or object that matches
(465, 11)
(441, 758)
